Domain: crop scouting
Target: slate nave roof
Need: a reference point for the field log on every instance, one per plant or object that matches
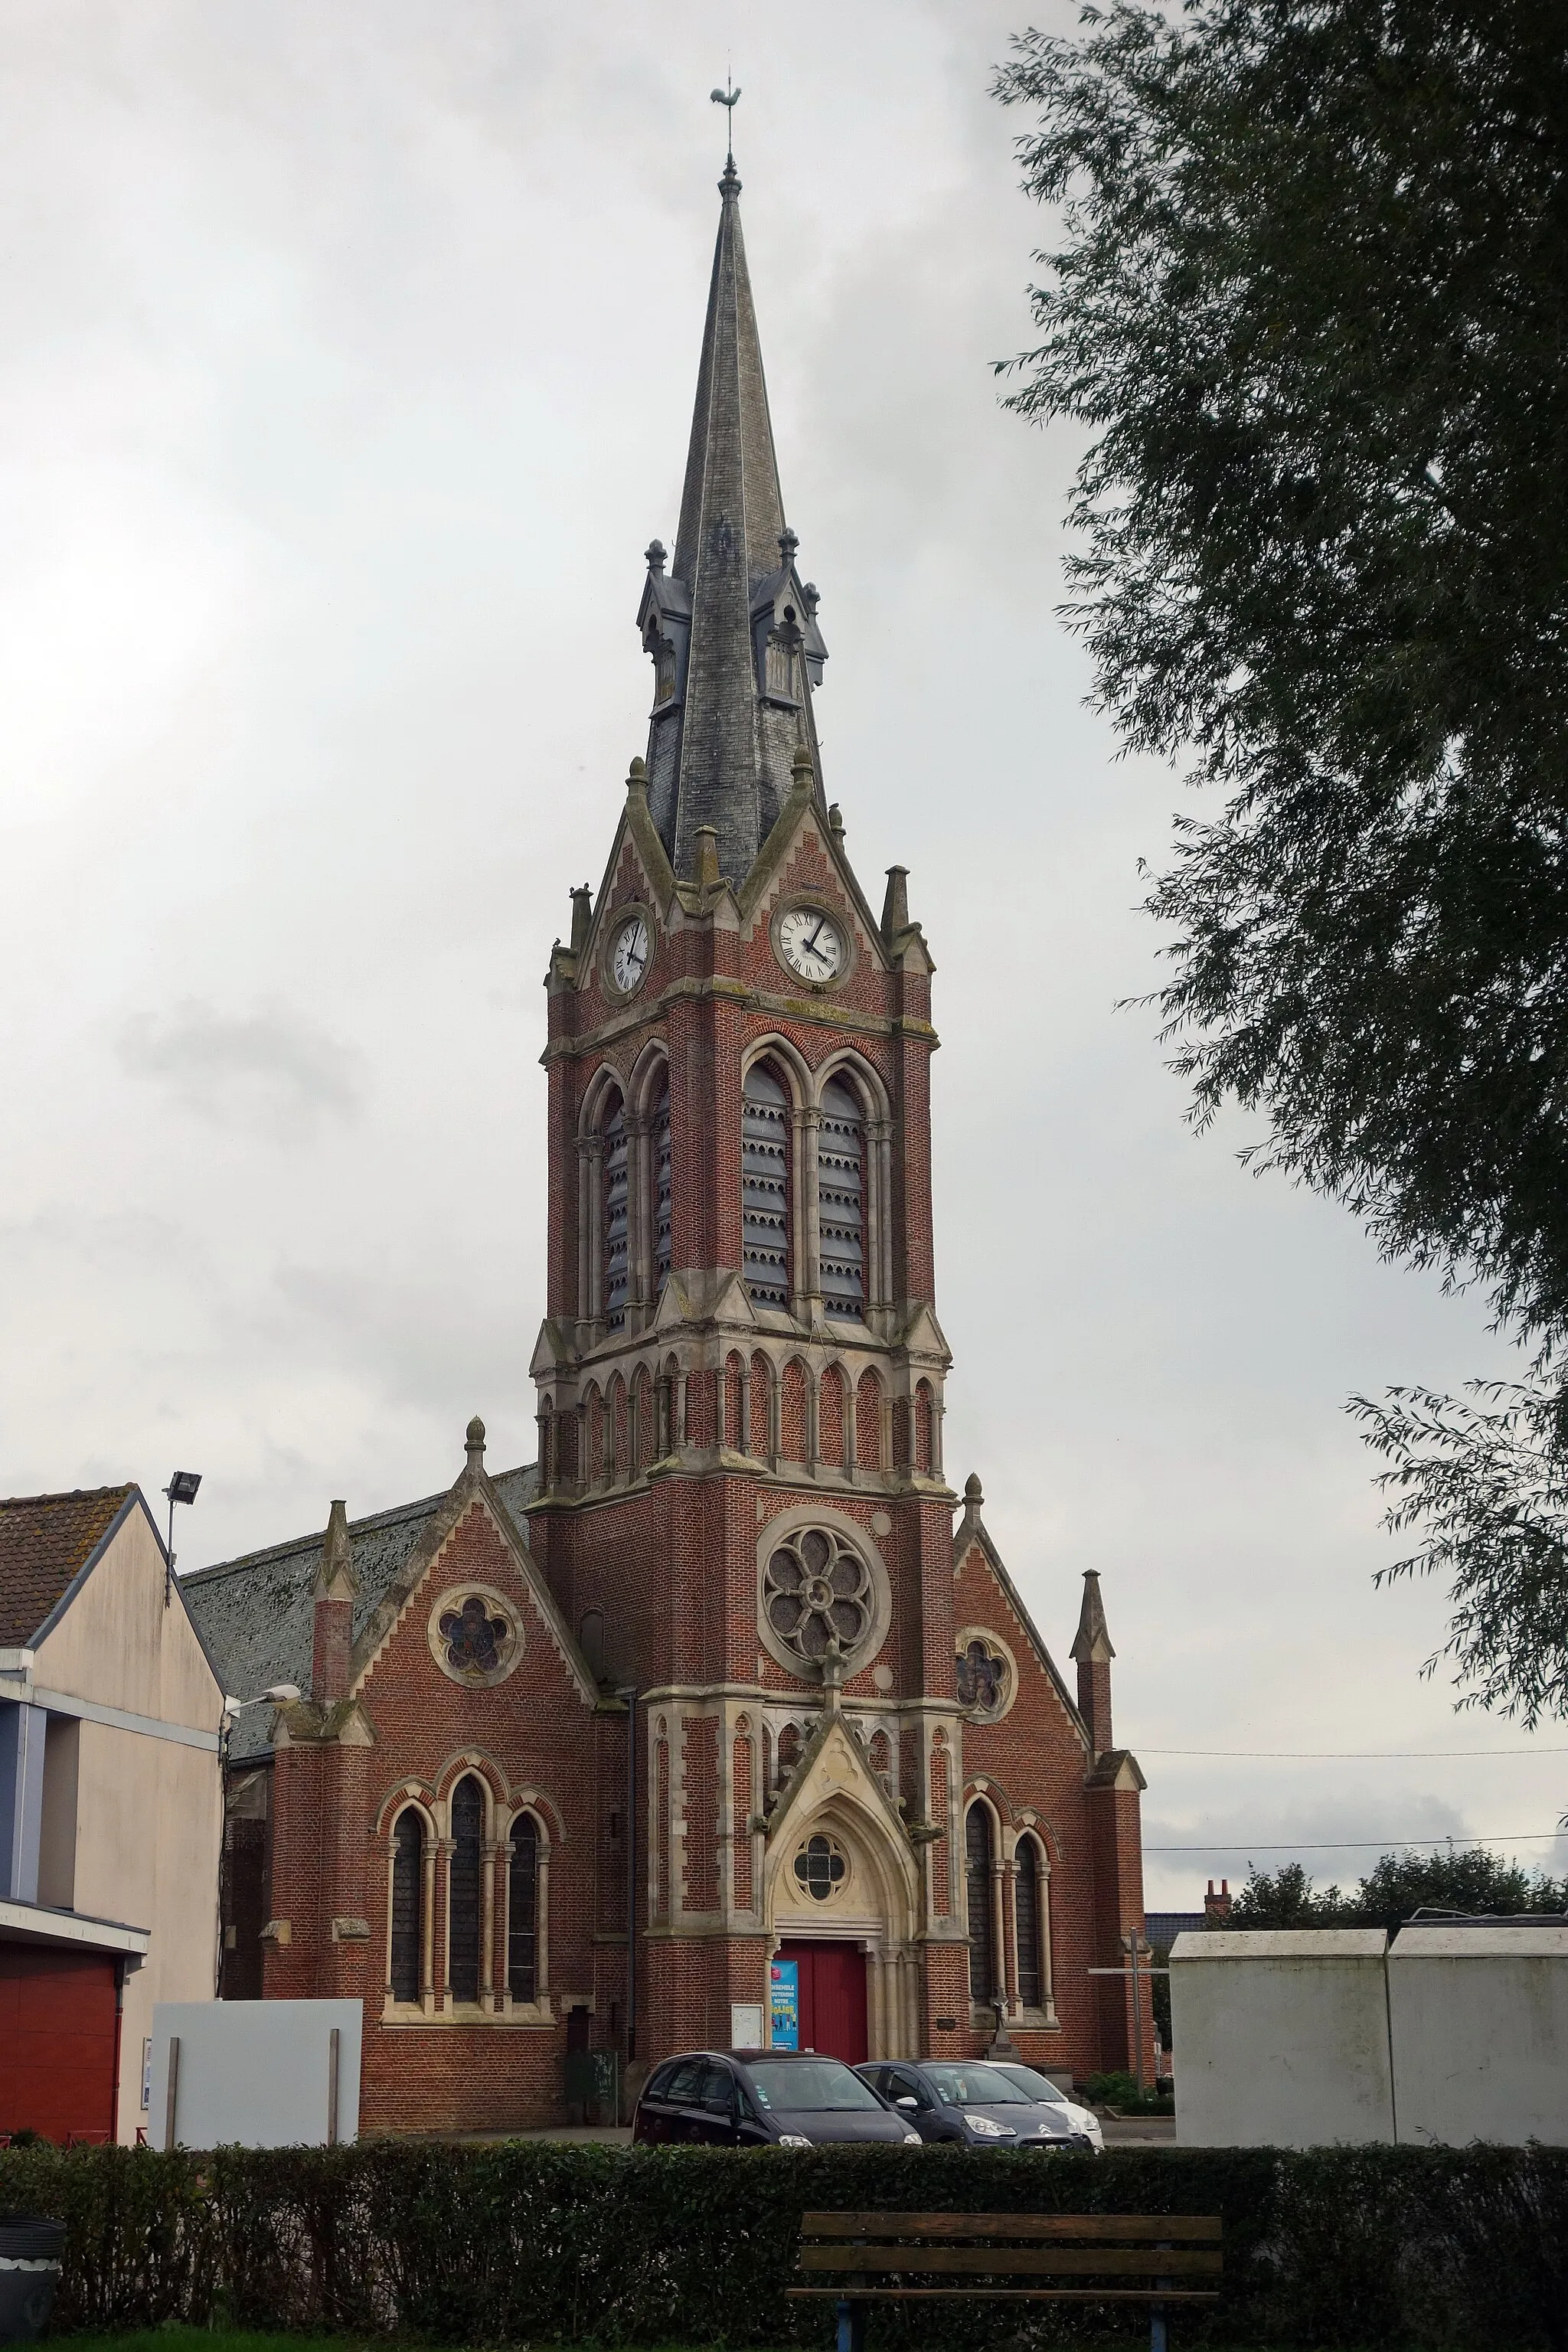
(256, 1613)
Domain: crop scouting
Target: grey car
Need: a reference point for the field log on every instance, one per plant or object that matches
(973, 2104)
(770, 2098)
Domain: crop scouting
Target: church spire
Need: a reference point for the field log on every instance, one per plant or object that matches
(732, 630)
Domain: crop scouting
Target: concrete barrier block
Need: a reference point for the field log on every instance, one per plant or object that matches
(1478, 2019)
(1281, 2040)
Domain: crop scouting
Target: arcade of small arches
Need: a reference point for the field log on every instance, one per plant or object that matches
(815, 1190)
(770, 1406)
(468, 1909)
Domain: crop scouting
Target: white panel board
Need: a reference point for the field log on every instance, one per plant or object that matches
(1479, 2023)
(1281, 2039)
(255, 2073)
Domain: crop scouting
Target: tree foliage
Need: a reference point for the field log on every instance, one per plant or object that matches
(1310, 295)
(1460, 1879)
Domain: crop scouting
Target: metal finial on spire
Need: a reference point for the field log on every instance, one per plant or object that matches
(727, 97)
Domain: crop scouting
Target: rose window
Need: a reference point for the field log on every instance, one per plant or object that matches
(821, 1868)
(816, 1591)
(474, 1639)
(982, 1677)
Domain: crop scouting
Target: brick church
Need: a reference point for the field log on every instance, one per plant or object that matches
(720, 1664)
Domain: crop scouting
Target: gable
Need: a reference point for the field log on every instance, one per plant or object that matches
(116, 1642)
(47, 1542)
(983, 1590)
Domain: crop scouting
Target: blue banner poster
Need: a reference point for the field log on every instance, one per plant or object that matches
(785, 1981)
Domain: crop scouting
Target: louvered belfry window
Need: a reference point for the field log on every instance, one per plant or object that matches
(523, 1910)
(977, 1875)
(765, 1187)
(841, 1198)
(464, 1888)
(1026, 1893)
(663, 1190)
(407, 1905)
(618, 1216)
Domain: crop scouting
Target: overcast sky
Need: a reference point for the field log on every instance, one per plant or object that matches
(347, 350)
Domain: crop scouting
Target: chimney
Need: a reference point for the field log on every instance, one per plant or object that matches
(1091, 1648)
(1216, 1907)
(331, 1644)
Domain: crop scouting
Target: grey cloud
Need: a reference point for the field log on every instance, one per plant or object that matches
(270, 1068)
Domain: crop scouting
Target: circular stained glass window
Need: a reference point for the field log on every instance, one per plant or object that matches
(820, 1867)
(818, 1593)
(982, 1677)
(475, 1639)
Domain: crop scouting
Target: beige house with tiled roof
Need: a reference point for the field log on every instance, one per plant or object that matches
(111, 1808)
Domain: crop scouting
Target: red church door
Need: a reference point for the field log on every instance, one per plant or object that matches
(832, 1999)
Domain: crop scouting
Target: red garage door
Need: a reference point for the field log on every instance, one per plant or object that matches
(832, 1999)
(57, 2040)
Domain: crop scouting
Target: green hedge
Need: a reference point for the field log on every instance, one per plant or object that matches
(524, 2242)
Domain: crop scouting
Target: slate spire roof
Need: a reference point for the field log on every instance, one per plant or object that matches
(731, 630)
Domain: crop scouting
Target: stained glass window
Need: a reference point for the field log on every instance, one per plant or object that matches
(474, 1638)
(1026, 1895)
(977, 1875)
(464, 1887)
(523, 1910)
(407, 1905)
(982, 1677)
(820, 1867)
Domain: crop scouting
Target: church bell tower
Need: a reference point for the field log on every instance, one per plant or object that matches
(742, 1509)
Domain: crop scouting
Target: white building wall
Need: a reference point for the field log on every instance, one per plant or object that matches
(1479, 2021)
(1281, 2039)
(149, 1808)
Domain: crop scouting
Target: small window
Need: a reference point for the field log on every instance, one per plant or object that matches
(618, 1216)
(663, 1190)
(765, 1187)
(523, 1910)
(719, 2091)
(841, 1199)
(1031, 1942)
(684, 2086)
(977, 1873)
(464, 1888)
(820, 1868)
(407, 1905)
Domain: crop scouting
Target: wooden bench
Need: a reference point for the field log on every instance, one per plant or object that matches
(877, 2256)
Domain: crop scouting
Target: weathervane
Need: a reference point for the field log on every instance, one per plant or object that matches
(727, 97)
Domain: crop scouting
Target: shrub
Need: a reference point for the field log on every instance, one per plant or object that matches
(528, 2243)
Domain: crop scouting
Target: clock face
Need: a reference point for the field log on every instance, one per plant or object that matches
(811, 943)
(628, 957)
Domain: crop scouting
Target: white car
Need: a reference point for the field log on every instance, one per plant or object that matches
(1041, 2086)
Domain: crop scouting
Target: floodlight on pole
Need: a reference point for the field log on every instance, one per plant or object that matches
(181, 1488)
(276, 1695)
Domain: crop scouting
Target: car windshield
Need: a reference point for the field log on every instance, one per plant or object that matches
(814, 2085)
(977, 2086)
(1035, 2086)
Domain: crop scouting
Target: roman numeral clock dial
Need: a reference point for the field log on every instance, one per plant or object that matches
(812, 944)
(629, 957)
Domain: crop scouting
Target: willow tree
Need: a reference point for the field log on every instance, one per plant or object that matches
(1307, 290)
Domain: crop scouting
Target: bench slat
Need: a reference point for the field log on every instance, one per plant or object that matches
(967, 2293)
(1007, 2261)
(1175, 2226)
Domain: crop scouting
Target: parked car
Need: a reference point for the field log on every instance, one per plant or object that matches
(770, 2098)
(1037, 2085)
(975, 2104)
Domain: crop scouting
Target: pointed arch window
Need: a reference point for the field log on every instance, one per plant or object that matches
(977, 1886)
(407, 1905)
(764, 1186)
(465, 1890)
(841, 1198)
(523, 1910)
(1030, 1917)
(617, 1215)
(663, 1188)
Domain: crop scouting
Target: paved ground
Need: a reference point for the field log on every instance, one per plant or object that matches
(1139, 2131)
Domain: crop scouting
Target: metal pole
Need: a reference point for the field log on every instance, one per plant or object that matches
(169, 1562)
